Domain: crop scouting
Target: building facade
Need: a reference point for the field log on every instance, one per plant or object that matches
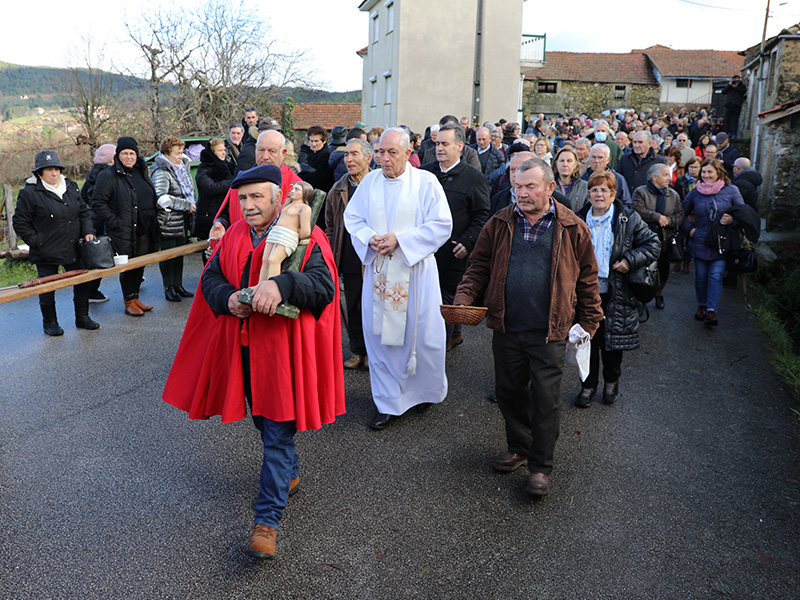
(428, 58)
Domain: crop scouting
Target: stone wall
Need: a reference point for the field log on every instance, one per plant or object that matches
(592, 98)
(780, 194)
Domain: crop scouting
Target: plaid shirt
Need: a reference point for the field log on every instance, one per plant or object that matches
(531, 233)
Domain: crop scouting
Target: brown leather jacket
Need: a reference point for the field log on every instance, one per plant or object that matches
(335, 203)
(574, 291)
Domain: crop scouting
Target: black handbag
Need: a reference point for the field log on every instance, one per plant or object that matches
(97, 254)
(743, 260)
(675, 249)
(644, 282)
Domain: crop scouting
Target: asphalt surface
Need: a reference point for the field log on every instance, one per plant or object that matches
(687, 488)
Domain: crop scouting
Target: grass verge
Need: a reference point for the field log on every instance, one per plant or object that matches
(775, 301)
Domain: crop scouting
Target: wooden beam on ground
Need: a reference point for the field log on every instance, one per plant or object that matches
(133, 263)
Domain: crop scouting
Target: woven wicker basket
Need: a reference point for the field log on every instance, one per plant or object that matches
(463, 315)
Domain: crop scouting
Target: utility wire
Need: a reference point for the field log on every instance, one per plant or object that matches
(719, 7)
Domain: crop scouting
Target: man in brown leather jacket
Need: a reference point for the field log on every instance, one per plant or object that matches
(535, 268)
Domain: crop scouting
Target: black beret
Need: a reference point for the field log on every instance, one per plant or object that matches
(262, 174)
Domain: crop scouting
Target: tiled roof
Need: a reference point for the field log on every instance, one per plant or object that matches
(597, 67)
(329, 115)
(716, 64)
(363, 51)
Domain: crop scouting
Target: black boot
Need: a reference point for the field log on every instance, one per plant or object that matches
(182, 292)
(171, 295)
(82, 318)
(49, 321)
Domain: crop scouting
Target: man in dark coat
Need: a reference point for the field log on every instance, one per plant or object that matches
(468, 196)
(233, 143)
(490, 157)
(634, 166)
(735, 93)
(726, 152)
(747, 179)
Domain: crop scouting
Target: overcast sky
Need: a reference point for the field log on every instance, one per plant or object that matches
(331, 31)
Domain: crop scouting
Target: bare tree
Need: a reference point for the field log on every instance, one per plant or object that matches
(166, 42)
(91, 91)
(221, 57)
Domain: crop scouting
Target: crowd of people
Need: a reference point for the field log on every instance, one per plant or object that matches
(542, 228)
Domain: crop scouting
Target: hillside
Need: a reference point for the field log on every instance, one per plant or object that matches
(23, 88)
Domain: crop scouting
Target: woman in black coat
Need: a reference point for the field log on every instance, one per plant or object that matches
(213, 179)
(125, 199)
(51, 217)
(622, 242)
(103, 157)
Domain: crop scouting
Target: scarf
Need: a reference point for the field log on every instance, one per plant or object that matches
(60, 189)
(184, 180)
(661, 201)
(710, 189)
(602, 242)
(392, 276)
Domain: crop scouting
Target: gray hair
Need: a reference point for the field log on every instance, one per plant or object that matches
(537, 163)
(405, 141)
(584, 142)
(600, 147)
(600, 122)
(656, 169)
(366, 147)
(648, 137)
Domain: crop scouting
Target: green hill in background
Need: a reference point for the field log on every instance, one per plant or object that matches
(23, 88)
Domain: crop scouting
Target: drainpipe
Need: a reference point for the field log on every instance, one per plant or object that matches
(476, 85)
(757, 127)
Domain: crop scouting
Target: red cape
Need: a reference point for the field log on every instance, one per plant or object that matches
(288, 179)
(296, 365)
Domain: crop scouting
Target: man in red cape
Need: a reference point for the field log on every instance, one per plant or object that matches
(289, 371)
(270, 150)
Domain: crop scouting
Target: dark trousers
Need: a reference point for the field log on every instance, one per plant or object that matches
(612, 359)
(664, 265)
(732, 119)
(279, 464)
(130, 281)
(172, 270)
(528, 373)
(353, 283)
(80, 293)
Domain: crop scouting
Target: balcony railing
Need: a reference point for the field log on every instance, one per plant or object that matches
(532, 48)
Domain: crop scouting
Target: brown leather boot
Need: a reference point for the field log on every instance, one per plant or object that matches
(262, 541)
(132, 308)
(144, 307)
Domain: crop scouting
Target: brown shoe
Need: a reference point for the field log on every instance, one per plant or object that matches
(294, 485)
(262, 541)
(538, 484)
(144, 307)
(132, 309)
(354, 362)
(686, 264)
(456, 341)
(508, 462)
(700, 315)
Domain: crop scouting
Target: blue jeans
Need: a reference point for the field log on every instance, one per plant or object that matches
(278, 468)
(708, 276)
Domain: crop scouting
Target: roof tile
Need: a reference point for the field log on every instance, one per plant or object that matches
(328, 115)
(599, 67)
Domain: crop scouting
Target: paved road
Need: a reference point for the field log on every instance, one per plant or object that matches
(686, 488)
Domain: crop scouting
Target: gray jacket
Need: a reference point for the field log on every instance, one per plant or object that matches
(173, 209)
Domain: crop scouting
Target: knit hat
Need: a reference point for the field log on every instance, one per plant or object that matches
(127, 143)
(104, 155)
(260, 174)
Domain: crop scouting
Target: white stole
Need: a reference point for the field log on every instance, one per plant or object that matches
(392, 276)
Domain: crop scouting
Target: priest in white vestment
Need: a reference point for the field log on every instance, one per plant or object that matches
(397, 218)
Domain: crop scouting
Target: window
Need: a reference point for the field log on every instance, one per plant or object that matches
(683, 83)
(388, 89)
(374, 85)
(548, 87)
(376, 30)
(619, 92)
(389, 16)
